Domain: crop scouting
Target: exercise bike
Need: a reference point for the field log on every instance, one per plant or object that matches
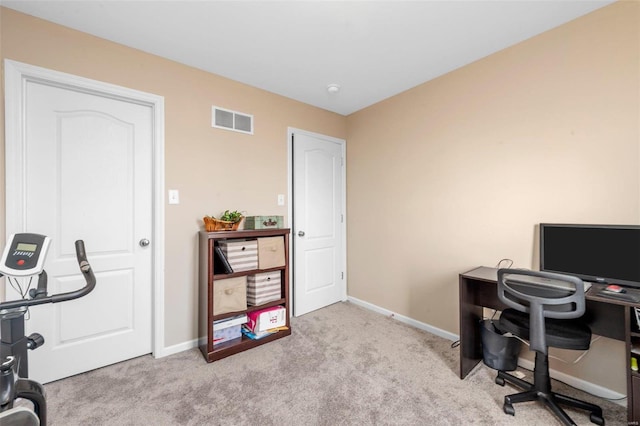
(24, 256)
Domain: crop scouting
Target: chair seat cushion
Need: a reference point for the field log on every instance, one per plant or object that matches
(560, 333)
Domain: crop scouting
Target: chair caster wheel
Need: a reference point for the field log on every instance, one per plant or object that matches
(596, 419)
(499, 381)
(508, 409)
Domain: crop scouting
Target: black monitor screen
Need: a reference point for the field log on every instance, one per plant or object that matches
(598, 253)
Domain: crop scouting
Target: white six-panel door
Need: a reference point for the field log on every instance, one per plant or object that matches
(318, 222)
(88, 175)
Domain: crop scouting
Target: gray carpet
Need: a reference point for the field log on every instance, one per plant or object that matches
(342, 365)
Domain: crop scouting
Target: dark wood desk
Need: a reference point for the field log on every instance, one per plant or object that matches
(606, 317)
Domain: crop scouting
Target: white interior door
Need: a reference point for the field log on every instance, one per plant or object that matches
(87, 175)
(318, 222)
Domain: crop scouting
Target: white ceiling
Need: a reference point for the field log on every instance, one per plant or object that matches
(372, 49)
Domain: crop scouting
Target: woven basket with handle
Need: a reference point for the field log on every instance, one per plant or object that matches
(211, 224)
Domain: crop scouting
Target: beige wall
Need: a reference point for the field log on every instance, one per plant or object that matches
(457, 172)
(213, 169)
(452, 174)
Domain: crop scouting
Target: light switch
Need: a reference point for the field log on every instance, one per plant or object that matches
(281, 199)
(174, 196)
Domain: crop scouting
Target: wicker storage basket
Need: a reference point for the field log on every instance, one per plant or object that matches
(212, 224)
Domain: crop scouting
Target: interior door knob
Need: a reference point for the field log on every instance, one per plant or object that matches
(301, 233)
(144, 242)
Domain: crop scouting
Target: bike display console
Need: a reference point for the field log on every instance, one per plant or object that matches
(24, 255)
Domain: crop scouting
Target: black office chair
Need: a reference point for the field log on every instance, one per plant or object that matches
(543, 308)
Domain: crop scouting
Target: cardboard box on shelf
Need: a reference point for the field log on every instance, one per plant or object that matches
(266, 319)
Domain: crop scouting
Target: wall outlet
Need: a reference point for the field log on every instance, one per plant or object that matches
(281, 199)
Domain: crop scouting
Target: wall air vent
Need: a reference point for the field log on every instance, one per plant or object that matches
(231, 120)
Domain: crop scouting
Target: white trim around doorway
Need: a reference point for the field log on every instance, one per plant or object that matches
(291, 131)
(16, 75)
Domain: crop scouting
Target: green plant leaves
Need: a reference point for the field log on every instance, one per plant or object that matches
(233, 216)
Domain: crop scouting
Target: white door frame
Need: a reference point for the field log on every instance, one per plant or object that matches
(16, 76)
(343, 145)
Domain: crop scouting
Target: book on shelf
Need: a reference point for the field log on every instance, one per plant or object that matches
(254, 335)
(220, 262)
(230, 322)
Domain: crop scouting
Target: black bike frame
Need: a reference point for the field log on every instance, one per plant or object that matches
(14, 345)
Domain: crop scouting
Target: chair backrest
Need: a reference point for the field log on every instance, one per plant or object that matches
(541, 295)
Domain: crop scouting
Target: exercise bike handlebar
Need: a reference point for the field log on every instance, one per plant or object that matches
(41, 299)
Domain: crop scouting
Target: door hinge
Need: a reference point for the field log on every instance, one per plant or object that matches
(341, 218)
(342, 275)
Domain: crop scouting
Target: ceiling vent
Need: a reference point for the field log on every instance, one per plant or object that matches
(231, 120)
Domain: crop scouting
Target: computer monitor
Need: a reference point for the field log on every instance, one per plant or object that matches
(608, 254)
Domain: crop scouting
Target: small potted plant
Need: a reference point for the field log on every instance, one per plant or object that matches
(229, 221)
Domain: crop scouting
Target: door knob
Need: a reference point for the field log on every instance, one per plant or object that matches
(144, 242)
(301, 233)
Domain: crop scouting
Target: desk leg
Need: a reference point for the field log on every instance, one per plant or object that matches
(470, 339)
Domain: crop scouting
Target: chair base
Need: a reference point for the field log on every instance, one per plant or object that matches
(550, 399)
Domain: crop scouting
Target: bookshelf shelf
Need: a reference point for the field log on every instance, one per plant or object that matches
(207, 279)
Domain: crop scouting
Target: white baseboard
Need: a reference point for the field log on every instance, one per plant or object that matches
(577, 383)
(414, 323)
(181, 347)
